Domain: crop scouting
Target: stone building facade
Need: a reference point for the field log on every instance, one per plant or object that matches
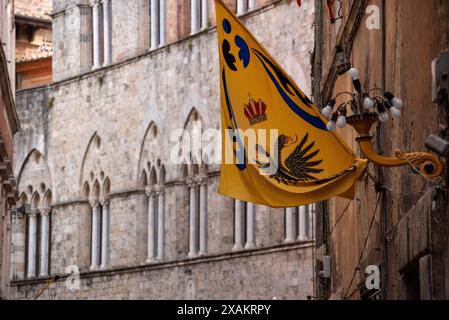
(93, 161)
(9, 125)
(393, 44)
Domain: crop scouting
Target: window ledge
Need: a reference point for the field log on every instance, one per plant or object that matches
(158, 265)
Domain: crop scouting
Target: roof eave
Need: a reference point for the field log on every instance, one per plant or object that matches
(38, 22)
(7, 93)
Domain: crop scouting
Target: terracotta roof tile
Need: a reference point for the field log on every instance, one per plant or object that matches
(40, 9)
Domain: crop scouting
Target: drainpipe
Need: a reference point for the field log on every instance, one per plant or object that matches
(320, 289)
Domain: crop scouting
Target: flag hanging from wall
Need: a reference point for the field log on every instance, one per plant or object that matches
(276, 148)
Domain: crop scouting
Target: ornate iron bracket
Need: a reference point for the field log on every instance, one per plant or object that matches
(423, 162)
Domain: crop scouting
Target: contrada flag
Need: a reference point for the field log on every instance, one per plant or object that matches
(303, 162)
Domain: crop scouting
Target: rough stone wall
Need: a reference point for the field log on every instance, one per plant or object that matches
(97, 124)
(124, 29)
(264, 275)
(67, 48)
(415, 34)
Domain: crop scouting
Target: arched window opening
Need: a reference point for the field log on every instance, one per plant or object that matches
(38, 234)
(99, 204)
(156, 215)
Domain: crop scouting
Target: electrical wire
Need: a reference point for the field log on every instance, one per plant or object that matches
(340, 217)
(364, 247)
(391, 233)
(313, 247)
(405, 194)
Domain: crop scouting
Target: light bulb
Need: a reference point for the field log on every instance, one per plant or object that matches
(368, 103)
(327, 112)
(397, 103)
(354, 73)
(331, 126)
(383, 117)
(395, 112)
(341, 122)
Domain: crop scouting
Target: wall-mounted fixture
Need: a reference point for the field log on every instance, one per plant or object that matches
(366, 108)
(440, 78)
(342, 60)
(327, 267)
(382, 101)
(330, 6)
(438, 145)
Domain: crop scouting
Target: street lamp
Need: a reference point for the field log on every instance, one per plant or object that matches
(368, 107)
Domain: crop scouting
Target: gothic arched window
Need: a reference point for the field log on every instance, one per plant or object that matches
(155, 191)
(99, 212)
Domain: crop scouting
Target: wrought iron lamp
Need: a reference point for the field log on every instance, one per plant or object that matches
(368, 107)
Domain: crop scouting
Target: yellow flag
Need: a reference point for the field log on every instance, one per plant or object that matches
(303, 162)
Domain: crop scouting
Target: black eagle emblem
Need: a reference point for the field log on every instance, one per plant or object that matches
(300, 166)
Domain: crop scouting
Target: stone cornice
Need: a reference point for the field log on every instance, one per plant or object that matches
(130, 192)
(213, 258)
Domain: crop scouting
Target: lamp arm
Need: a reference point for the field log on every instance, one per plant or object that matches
(424, 163)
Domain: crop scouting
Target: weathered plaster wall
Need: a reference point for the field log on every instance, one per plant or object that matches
(416, 32)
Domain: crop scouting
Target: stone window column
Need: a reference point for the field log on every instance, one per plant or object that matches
(104, 234)
(193, 219)
(289, 225)
(204, 14)
(151, 225)
(252, 4)
(311, 218)
(250, 226)
(194, 21)
(107, 32)
(162, 22)
(31, 272)
(160, 222)
(238, 225)
(202, 182)
(95, 245)
(241, 6)
(302, 220)
(45, 243)
(154, 24)
(96, 34)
